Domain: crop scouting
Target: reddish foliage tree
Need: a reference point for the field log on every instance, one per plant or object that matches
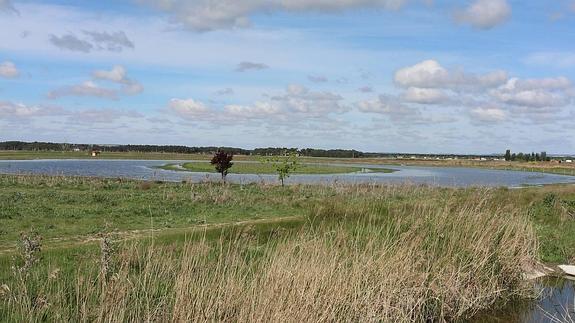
(223, 162)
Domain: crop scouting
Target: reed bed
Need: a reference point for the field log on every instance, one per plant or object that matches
(365, 253)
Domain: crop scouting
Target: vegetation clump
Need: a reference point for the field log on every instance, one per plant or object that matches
(284, 165)
(222, 161)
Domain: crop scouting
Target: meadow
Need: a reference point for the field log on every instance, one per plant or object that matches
(88, 249)
(267, 168)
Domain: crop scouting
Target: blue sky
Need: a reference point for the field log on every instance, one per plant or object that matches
(476, 76)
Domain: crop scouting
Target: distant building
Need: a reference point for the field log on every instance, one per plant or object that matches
(569, 161)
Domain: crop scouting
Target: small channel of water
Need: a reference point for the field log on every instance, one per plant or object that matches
(556, 304)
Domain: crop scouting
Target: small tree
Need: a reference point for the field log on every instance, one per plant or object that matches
(284, 165)
(508, 155)
(223, 162)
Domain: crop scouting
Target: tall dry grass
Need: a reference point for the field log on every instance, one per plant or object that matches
(366, 254)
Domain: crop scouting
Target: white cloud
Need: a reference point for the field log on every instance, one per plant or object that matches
(424, 96)
(189, 108)
(17, 110)
(9, 70)
(485, 14)
(258, 110)
(119, 75)
(116, 75)
(488, 114)
(87, 88)
(298, 103)
(387, 105)
(535, 93)
(206, 15)
(430, 74)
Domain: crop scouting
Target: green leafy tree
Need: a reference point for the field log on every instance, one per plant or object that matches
(283, 165)
(508, 155)
(222, 162)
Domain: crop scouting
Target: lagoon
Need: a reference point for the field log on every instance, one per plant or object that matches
(148, 170)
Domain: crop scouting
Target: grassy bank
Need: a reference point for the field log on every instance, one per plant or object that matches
(347, 252)
(263, 168)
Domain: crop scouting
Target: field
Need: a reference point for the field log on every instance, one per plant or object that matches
(120, 250)
(265, 168)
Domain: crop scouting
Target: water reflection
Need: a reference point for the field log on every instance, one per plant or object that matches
(556, 304)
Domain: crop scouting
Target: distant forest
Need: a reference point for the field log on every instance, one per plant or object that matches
(270, 151)
(50, 146)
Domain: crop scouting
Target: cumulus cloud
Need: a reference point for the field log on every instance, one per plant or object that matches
(93, 41)
(297, 103)
(430, 74)
(389, 106)
(189, 108)
(206, 15)
(119, 75)
(299, 99)
(535, 93)
(485, 14)
(116, 75)
(489, 97)
(250, 66)
(88, 88)
(19, 110)
(9, 70)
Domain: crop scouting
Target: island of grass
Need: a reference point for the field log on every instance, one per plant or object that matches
(263, 168)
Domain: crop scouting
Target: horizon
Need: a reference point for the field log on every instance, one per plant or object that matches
(473, 78)
(499, 154)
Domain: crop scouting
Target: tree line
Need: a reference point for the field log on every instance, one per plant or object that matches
(526, 156)
(270, 151)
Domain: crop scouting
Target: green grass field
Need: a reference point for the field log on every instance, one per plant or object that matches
(408, 252)
(263, 168)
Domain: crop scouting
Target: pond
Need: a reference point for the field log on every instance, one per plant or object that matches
(146, 169)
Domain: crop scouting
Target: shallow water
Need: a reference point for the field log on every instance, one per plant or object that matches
(556, 304)
(144, 169)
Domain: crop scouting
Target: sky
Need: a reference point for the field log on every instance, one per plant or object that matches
(425, 76)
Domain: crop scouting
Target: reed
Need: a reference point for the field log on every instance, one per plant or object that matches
(396, 253)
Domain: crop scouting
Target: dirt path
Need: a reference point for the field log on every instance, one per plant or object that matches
(66, 242)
